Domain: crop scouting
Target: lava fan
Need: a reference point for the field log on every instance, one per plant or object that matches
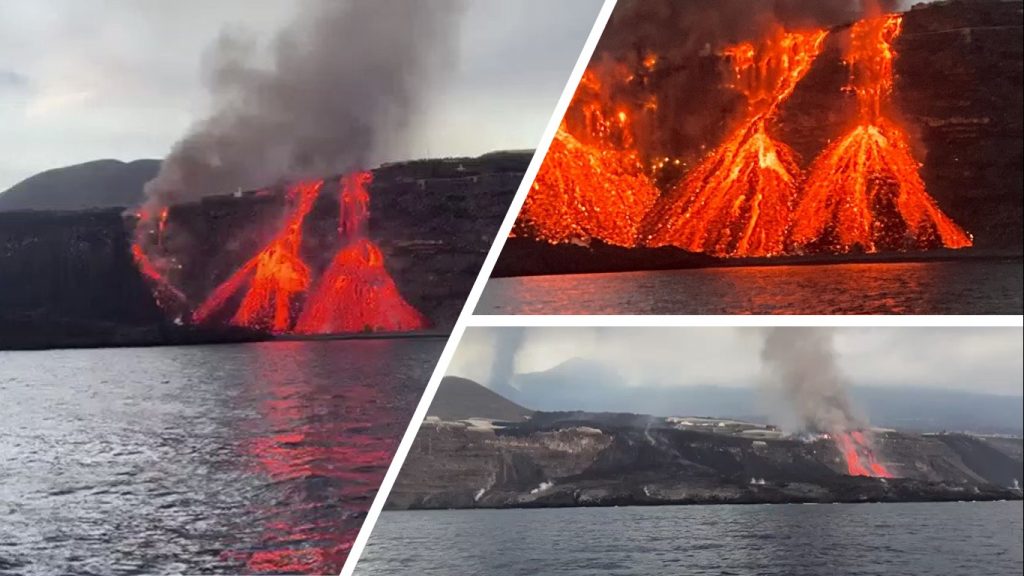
(593, 185)
(356, 293)
(738, 200)
(864, 192)
(274, 278)
(860, 456)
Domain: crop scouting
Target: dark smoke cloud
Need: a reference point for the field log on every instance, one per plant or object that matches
(345, 79)
(800, 364)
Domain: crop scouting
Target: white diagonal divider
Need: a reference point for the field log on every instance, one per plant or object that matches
(474, 295)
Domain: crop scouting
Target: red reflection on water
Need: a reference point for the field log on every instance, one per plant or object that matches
(826, 289)
(325, 449)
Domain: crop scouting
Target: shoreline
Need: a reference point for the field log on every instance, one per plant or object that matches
(682, 503)
(215, 339)
(523, 257)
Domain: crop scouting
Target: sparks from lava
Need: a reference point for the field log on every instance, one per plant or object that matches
(864, 192)
(162, 225)
(738, 200)
(356, 292)
(593, 183)
(275, 277)
(859, 455)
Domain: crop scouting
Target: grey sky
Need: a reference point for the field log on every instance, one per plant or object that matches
(976, 359)
(88, 79)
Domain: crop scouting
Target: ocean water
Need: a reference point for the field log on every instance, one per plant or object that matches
(953, 287)
(253, 458)
(954, 539)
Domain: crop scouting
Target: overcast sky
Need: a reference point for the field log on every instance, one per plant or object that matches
(977, 359)
(87, 79)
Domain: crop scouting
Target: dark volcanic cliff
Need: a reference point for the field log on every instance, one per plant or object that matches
(959, 95)
(590, 459)
(67, 278)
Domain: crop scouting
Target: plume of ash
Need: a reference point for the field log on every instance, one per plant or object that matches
(345, 77)
(800, 364)
(507, 343)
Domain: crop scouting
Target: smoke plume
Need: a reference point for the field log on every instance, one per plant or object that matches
(507, 343)
(800, 363)
(345, 78)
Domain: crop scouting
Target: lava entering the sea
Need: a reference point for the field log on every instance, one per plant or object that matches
(275, 277)
(860, 456)
(356, 292)
(276, 290)
(738, 200)
(864, 192)
(593, 183)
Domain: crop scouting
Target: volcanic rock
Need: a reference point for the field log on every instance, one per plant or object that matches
(69, 279)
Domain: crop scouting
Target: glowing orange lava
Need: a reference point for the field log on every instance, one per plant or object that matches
(162, 225)
(592, 184)
(356, 292)
(275, 277)
(859, 455)
(864, 192)
(738, 200)
(165, 294)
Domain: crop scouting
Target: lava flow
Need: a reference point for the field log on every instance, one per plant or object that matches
(859, 455)
(738, 200)
(275, 277)
(356, 292)
(864, 192)
(167, 296)
(592, 184)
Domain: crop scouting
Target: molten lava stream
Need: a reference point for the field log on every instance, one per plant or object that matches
(859, 455)
(592, 183)
(275, 276)
(584, 192)
(864, 191)
(166, 295)
(356, 292)
(738, 200)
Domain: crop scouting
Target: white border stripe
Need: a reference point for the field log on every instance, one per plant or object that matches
(474, 295)
(656, 321)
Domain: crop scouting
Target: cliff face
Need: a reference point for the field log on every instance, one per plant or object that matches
(68, 278)
(579, 459)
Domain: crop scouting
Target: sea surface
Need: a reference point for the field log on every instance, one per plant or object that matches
(950, 287)
(253, 458)
(954, 539)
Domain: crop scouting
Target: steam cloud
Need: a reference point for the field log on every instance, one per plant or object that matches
(345, 77)
(801, 364)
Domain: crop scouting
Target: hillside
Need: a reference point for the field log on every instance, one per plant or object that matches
(462, 399)
(558, 459)
(96, 184)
